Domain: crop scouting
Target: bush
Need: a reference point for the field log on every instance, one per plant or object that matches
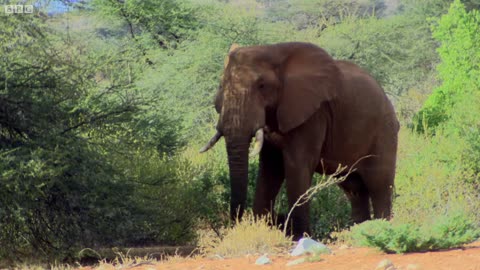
(447, 232)
(57, 199)
(432, 178)
(436, 204)
(458, 31)
(176, 196)
(65, 125)
(465, 123)
(330, 211)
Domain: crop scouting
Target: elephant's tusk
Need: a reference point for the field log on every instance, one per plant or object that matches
(258, 143)
(212, 142)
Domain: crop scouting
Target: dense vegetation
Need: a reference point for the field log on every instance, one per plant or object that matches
(103, 109)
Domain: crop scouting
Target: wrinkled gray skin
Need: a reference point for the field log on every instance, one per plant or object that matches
(308, 113)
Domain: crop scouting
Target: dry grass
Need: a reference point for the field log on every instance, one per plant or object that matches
(125, 261)
(249, 236)
(55, 266)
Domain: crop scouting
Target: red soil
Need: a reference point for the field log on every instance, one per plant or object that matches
(467, 258)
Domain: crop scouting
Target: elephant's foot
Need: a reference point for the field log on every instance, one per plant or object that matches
(279, 222)
(295, 228)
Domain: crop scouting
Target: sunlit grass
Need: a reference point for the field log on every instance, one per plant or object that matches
(248, 236)
(124, 260)
(54, 266)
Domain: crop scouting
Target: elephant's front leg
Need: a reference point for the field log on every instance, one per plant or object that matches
(301, 156)
(270, 179)
(298, 181)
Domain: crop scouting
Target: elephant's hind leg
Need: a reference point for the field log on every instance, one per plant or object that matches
(379, 177)
(379, 172)
(358, 195)
(381, 193)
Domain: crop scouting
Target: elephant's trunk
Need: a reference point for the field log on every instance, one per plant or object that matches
(240, 118)
(237, 150)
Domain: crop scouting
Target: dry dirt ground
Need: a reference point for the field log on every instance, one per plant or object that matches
(467, 258)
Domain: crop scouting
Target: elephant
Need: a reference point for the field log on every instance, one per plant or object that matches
(308, 113)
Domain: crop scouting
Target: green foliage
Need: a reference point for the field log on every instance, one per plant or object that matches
(435, 180)
(386, 47)
(187, 77)
(459, 35)
(426, 8)
(446, 232)
(321, 13)
(433, 8)
(442, 177)
(330, 211)
(465, 123)
(103, 110)
(164, 189)
(57, 198)
(165, 22)
(66, 115)
(436, 204)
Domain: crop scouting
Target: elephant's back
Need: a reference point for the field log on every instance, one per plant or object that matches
(362, 90)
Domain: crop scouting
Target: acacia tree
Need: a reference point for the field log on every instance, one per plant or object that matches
(322, 13)
(166, 23)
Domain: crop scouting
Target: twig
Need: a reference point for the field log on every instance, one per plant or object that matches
(332, 179)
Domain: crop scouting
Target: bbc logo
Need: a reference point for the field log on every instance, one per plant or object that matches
(18, 9)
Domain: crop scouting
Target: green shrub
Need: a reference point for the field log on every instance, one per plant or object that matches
(66, 125)
(55, 200)
(178, 195)
(458, 31)
(465, 123)
(436, 204)
(432, 178)
(446, 232)
(330, 211)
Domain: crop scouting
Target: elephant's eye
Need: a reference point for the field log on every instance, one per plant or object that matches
(260, 83)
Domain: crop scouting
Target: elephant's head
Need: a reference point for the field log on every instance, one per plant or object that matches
(279, 86)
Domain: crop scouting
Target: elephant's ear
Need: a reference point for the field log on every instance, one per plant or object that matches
(219, 99)
(219, 95)
(310, 78)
